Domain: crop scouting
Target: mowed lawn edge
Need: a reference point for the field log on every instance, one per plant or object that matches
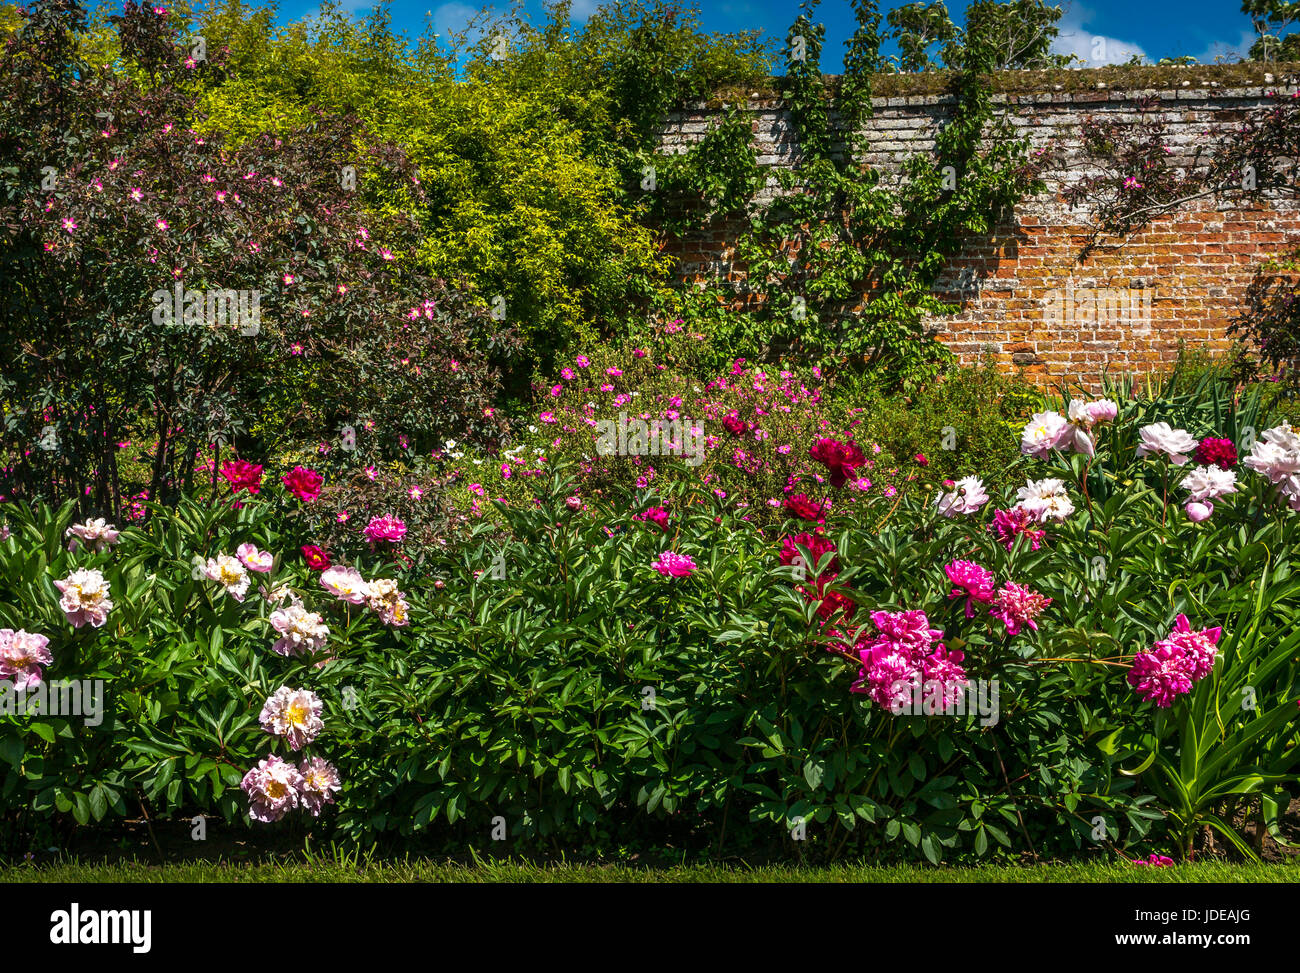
(430, 870)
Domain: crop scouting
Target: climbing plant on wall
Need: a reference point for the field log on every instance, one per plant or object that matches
(842, 262)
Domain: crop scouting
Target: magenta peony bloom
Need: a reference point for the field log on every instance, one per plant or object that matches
(242, 475)
(320, 782)
(1159, 861)
(1217, 452)
(316, 558)
(972, 581)
(1008, 525)
(905, 657)
(841, 459)
(22, 654)
(272, 788)
(1174, 663)
(1160, 675)
(303, 483)
(654, 515)
(1017, 606)
(672, 565)
(1199, 646)
(800, 506)
(293, 714)
(388, 529)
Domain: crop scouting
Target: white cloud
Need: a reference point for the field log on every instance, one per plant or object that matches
(583, 9)
(1228, 50)
(1095, 50)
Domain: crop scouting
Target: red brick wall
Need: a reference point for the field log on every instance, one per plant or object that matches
(1194, 265)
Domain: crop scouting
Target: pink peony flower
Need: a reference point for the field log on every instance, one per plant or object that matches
(388, 529)
(230, 573)
(242, 475)
(316, 558)
(1198, 646)
(967, 497)
(1044, 432)
(1174, 663)
(972, 581)
(1009, 525)
(294, 715)
(1160, 675)
(1159, 861)
(301, 632)
(320, 782)
(346, 584)
(22, 654)
(673, 565)
(1017, 606)
(905, 657)
(272, 788)
(840, 458)
(654, 515)
(253, 559)
(85, 598)
(1217, 452)
(94, 533)
(303, 483)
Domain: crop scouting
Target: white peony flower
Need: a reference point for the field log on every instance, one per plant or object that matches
(1161, 438)
(967, 497)
(1045, 499)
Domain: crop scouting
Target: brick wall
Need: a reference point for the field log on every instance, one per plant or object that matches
(1030, 296)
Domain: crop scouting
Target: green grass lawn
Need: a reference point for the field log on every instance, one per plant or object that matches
(344, 869)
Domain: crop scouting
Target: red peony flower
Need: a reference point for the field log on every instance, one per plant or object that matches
(736, 425)
(800, 506)
(302, 483)
(1218, 452)
(841, 459)
(816, 544)
(317, 559)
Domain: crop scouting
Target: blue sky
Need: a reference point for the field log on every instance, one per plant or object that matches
(1155, 28)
